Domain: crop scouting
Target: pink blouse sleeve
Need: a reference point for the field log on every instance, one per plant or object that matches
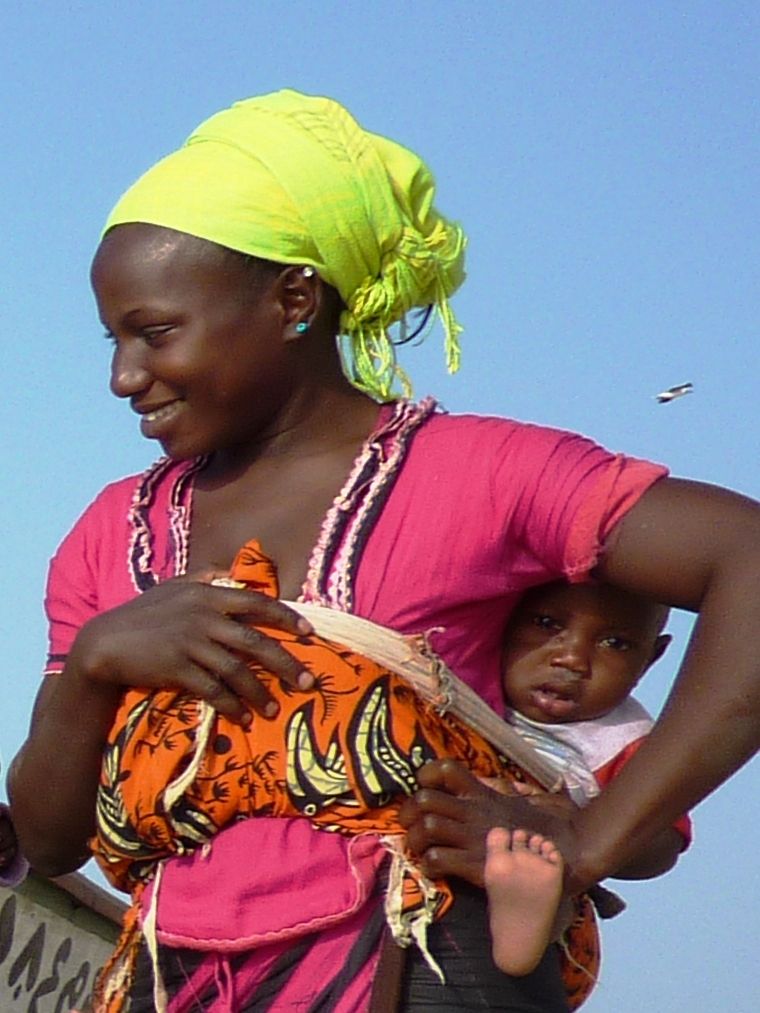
(572, 492)
(88, 573)
(71, 597)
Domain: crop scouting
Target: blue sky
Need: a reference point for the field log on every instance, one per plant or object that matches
(603, 159)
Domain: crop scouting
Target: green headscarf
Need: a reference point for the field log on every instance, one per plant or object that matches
(294, 179)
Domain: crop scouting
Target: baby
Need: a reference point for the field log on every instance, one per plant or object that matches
(572, 656)
(13, 865)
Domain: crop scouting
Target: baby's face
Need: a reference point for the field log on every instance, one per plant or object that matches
(574, 652)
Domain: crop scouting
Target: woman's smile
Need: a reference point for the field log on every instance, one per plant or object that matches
(156, 423)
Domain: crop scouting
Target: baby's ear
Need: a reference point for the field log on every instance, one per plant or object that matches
(661, 645)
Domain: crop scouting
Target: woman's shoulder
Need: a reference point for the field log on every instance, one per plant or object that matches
(524, 457)
(495, 432)
(112, 505)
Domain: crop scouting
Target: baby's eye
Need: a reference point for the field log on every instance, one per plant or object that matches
(548, 623)
(616, 643)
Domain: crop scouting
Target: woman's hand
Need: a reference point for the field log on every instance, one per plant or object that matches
(448, 819)
(187, 634)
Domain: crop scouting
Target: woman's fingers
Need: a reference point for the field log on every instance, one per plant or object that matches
(439, 862)
(201, 683)
(190, 635)
(247, 608)
(265, 653)
(228, 679)
(434, 829)
(258, 608)
(451, 777)
(448, 819)
(448, 789)
(430, 802)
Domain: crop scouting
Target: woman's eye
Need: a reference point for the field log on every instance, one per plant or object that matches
(109, 336)
(154, 334)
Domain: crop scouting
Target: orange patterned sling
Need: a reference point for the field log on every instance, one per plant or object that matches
(342, 755)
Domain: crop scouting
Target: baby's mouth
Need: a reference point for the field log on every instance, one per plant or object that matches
(554, 701)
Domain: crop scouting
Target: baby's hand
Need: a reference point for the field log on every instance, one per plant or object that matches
(559, 803)
(506, 787)
(556, 803)
(8, 842)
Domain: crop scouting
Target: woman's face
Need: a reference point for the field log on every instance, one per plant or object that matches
(199, 347)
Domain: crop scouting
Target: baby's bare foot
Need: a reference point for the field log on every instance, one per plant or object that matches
(523, 878)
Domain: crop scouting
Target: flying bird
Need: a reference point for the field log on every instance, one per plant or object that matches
(673, 392)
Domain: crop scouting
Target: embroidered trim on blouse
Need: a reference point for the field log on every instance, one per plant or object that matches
(349, 522)
(345, 530)
(140, 561)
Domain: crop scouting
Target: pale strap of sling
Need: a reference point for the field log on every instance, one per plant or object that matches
(412, 658)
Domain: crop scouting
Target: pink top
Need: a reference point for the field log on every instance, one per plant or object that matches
(475, 511)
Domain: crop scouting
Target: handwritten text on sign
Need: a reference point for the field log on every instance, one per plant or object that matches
(47, 963)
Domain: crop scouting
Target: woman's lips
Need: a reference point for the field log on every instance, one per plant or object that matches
(555, 702)
(153, 424)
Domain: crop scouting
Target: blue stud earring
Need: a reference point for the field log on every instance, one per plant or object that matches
(302, 328)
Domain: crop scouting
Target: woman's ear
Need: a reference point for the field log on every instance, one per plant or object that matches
(300, 294)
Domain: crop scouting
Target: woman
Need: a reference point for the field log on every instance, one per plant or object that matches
(224, 276)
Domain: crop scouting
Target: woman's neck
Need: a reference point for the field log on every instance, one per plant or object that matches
(312, 424)
(280, 490)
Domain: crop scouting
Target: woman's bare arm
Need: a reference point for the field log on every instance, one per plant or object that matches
(695, 547)
(692, 546)
(180, 634)
(53, 780)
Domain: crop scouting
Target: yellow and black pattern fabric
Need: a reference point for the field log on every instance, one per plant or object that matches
(343, 755)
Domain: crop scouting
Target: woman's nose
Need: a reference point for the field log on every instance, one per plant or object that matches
(128, 373)
(573, 653)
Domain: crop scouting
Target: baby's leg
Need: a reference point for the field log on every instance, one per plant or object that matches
(523, 878)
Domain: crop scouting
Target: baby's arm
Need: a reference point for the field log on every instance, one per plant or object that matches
(655, 858)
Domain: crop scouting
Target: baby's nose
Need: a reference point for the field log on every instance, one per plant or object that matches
(573, 654)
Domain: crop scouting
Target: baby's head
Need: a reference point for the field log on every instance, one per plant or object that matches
(573, 652)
